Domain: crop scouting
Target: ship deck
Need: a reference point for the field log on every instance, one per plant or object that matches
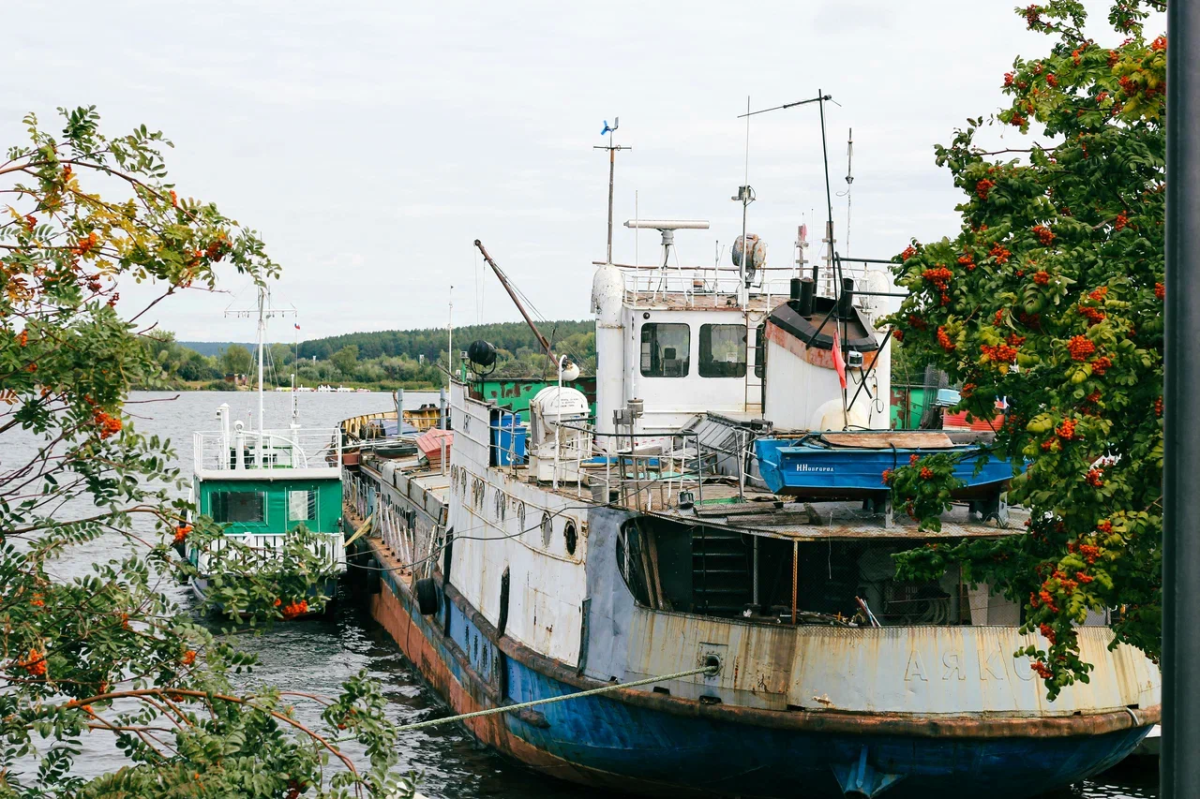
(762, 513)
(716, 502)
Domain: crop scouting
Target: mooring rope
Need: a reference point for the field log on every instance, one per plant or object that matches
(710, 668)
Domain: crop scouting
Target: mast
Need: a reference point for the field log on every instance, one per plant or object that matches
(513, 295)
(264, 312)
(295, 359)
(262, 337)
(744, 194)
(612, 165)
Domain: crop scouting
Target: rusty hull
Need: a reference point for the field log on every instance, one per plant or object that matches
(996, 724)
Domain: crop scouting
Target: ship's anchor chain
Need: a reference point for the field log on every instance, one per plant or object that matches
(711, 666)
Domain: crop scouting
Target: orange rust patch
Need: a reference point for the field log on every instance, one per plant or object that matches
(814, 355)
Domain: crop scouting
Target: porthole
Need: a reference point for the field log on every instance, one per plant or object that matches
(547, 529)
(462, 482)
(571, 535)
(498, 505)
(521, 516)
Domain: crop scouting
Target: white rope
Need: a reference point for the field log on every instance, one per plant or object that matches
(711, 669)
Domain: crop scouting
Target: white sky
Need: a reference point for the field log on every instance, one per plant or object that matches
(370, 143)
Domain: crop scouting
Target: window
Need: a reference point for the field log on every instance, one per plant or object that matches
(302, 506)
(238, 506)
(760, 350)
(571, 536)
(722, 351)
(665, 350)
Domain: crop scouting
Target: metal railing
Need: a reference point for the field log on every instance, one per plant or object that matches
(648, 284)
(264, 550)
(358, 493)
(370, 425)
(650, 481)
(412, 544)
(642, 481)
(313, 448)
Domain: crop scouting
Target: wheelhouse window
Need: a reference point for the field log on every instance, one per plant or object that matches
(722, 350)
(665, 350)
(238, 506)
(302, 506)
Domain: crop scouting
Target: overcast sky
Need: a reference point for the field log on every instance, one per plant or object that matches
(370, 143)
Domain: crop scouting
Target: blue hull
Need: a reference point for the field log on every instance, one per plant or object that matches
(687, 749)
(704, 757)
(843, 472)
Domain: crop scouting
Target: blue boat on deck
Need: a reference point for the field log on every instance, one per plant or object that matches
(850, 465)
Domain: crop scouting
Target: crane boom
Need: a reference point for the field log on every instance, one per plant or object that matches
(508, 287)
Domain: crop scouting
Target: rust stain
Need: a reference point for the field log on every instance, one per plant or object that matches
(814, 355)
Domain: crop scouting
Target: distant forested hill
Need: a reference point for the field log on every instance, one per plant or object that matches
(210, 348)
(430, 342)
(384, 360)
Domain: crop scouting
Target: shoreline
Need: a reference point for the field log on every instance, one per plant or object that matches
(219, 387)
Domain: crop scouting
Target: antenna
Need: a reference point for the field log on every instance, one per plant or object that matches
(820, 100)
(801, 246)
(829, 239)
(612, 164)
(450, 342)
(849, 182)
(746, 195)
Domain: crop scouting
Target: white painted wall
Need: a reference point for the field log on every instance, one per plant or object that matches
(671, 401)
(607, 293)
(499, 528)
(796, 388)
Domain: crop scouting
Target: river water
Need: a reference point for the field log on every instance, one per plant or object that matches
(316, 656)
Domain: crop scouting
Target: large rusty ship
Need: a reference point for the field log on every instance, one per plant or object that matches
(549, 540)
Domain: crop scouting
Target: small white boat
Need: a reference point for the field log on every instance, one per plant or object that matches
(1151, 745)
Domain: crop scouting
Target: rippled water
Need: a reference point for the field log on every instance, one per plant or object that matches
(316, 656)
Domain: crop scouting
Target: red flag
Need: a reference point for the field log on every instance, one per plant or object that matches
(839, 363)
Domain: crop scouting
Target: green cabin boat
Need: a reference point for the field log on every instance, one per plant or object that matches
(263, 485)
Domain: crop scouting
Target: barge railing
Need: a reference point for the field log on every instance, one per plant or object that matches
(263, 549)
(243, 450)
